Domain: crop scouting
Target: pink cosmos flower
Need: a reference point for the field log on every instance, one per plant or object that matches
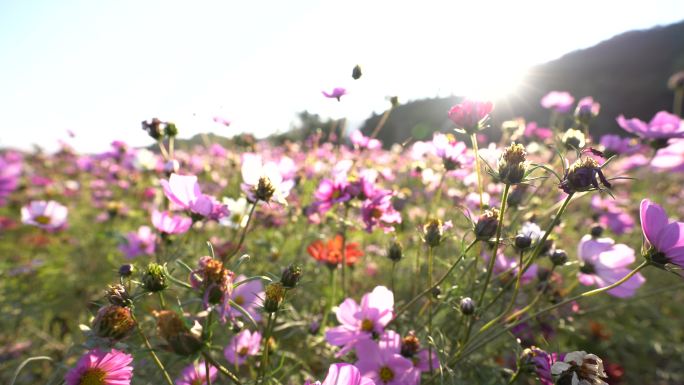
(141, 242)
(248, 296)
(665, 239)
(382, 361)
(542, 362)
(222, 120)
(664, 125)
(168, 223)
(378, 211)
(616, 144)
(363, 141)
(10, 170)
(453, 152)
(587, 108)
(48, 215)
(559, 101)
(604, 263)
(343, 374)
(243, 345)
(611, 215)
(105, 368)
(196, 374)
(671, 157)
(331, 192)
(469, 114)
(184, 191)
(533, 130)
(358, 323)
(336, 93)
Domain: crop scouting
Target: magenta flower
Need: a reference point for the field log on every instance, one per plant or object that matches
(664, 125)
(248, 296)
(184, 191)
(586, 109)
(358, 323)
(243, 345)
(559, 101)
(533, 130)
(48, 215)
(671, 157)
(331, 192)
(611, 215)
(362, 141)
(102, 368)
(336, 93)
(665, 239)
(616, 144)
(344, 374)
(168, 223)
(454, 153)
(222, 120)
(542, 362)
(141, 242)
(196, 374)
(469, 114)
(382, 361)
(10, 170)
(378, 211)
(604, 263)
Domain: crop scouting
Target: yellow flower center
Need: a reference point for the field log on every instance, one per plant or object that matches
(240, 300)
(94, 376)
(43, 219)
(386, 374)
(367, 325)
(243, 351)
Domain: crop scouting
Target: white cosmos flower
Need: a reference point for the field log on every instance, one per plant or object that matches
(586, 369)
(239, 209)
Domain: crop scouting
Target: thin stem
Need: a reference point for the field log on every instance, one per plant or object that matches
(264, 354)
(244, 231)
(495, 250)
(394, 267)
(206, 370)
(151, 350)
(207, 356)
(430, 258)
(381, 123)
(473, 140)
(439, 282)
(512, 301)
(344, 250)
(678, 99)
(331, 299)
(540, 245)
(162, 303)
(162, 149)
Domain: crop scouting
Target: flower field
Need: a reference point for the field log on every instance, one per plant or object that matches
(543, 255)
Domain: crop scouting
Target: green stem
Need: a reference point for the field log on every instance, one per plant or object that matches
(540, 245)
(244, 231)
(206, 370)
(430, 296)
(344, 250)
(220, 368)
(413, 300)
(394, 267)
(512, 301)
(151, 350)
(264, 354)
(678, 99)
(162, 303)
(495, 250)
(331, 299)
(473, 140)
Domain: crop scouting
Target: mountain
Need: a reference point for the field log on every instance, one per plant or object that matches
(627, 74)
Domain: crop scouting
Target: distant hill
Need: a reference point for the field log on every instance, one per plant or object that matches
(627, 74)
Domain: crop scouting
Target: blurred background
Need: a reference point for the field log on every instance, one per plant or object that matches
(90, 72)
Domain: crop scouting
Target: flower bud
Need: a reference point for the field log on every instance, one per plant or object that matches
(394, 100)
(237, 325)
(117, 295)
(154, 278)
(676, 81)
(264, 190)
(573, 139)
(153, 128)
(513, 164)
(170, 130)
(291, 276)
(596, 230)
(410, 345)
(436, 292)
(522, 241)
(182, 340)
(126, 270)
(432, 232)
(114, 322)
(559, 257)
(467, 306)
(395, 252)
(586, 110)
(582, 176)
(273, 297)
(486, 225)
(356, 72)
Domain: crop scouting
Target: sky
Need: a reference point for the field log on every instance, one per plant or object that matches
(99, 68)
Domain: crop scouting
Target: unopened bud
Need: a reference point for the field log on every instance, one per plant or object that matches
(273, 297)
(573, 139)
(291, 276)
(559, 257)
(596, 230)
(126, 270)
(264, 190)
(356, 72)
(410, 345)
(395, 252)
(486, 225)
(117, 295)
(432, 232)
(467, 306)
(183, 340)
(154, 278)
(114, 322)
(170, 130)
(513, 164)
(522, 241)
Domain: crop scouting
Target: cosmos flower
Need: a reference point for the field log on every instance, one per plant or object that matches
(378, 211)
(101, 368)
(616, 145)
(664, 125)
(543, 362)
(184, 191)
(141, 242)
(196, 374)
(453, 153)
(670, 158)
(586, 109)
(579, 368)
(168, 223)
(604, 263)
(343, 374)
(330, 252)
(48, 215)
(243, 345)
(382, 361)
(254, 171)
(664, 239)
(532, 130)
(336, 93)
(470, 115)
(215, 282)
(10, 170)
(359, 322)
(362, 141)
(239, 211)
(559, 101)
